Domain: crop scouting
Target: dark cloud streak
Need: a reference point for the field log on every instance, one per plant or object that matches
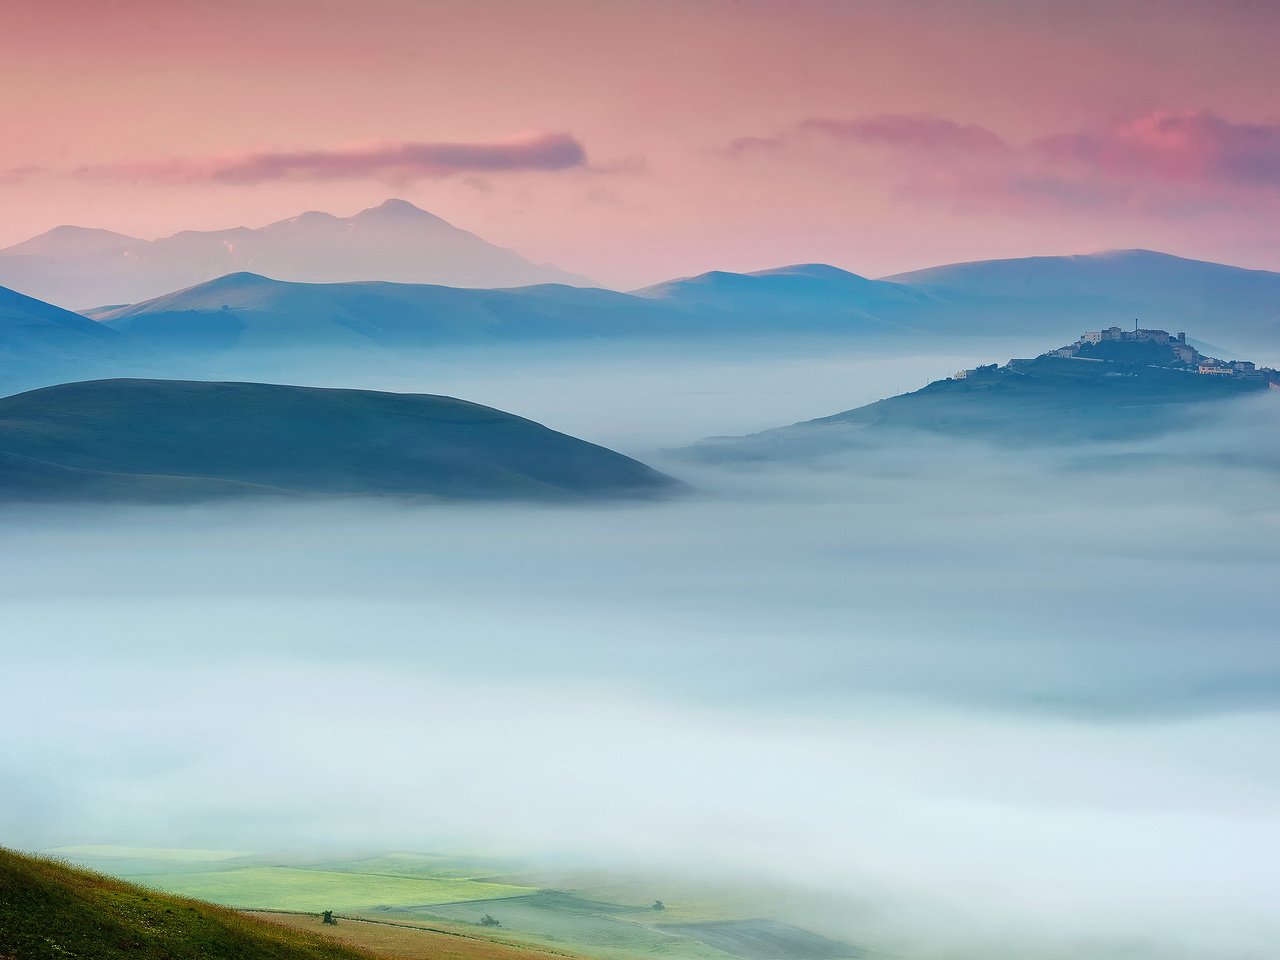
(399, 161)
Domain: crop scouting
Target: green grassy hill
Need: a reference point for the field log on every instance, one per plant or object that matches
(49, 911)
(149, 440)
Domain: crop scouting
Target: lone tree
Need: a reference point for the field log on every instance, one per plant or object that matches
(327, 917)
(488, 921)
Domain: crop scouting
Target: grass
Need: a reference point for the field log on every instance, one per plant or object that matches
(293, 888)
(415, 905)
(50, 911)
(402, 940)
(562, 921)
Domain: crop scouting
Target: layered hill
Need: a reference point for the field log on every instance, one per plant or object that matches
(33, 330)
(51, 910)
(80, 267)
(157, 440)
(1116, 286)
(248, 311)
(811, 296)
(1099, 392)
(997, 299)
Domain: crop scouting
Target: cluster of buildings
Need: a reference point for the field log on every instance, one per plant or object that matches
(1181, 354)
(1092, 345)
(1181, 351)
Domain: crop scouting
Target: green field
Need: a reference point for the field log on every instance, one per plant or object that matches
(561, 920)
(608, 919)
(292, 888)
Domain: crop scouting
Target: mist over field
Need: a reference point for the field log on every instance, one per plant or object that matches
(962, 701)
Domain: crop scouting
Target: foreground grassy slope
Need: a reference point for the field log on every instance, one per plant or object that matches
(174, 439)
(48, 910)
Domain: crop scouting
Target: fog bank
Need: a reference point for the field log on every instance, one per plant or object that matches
(977, 702)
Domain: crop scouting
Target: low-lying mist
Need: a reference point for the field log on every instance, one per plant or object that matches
(978, 702)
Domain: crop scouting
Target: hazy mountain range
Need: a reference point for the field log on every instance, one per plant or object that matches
(397, 243)
(1051, 297)
(166, 440)
(998, 298)
(79, 267)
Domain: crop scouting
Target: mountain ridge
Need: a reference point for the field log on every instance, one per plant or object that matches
(78, 267)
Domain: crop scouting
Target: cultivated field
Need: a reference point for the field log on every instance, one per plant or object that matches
(393, 940)
(403, 893)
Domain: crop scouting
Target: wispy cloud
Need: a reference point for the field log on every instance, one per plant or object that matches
(396, 161)
(894, 130)
(1165, 163)
(741, 145)
(908, 131)
(1197, 148)
(20, 174)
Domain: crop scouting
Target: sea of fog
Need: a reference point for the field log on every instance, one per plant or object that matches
(979, 702)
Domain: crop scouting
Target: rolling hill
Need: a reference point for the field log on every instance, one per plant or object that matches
(247, 311)
(1045, 296)
(33, 330)
(51, 910)
(1117, 286)
(80, 267)
(164, 440)
(810, 295)
(1046, 400)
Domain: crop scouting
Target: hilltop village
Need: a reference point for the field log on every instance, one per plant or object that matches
(1153, 348)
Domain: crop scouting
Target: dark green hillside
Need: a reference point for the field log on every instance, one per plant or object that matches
(49, 911)
(173, 439)
(1047, 400)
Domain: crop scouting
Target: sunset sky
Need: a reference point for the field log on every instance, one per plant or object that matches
(634, 142)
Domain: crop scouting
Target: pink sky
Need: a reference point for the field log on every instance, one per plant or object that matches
(638, 141)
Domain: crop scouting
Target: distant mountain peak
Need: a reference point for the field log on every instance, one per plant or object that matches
(240, 280)
(394, 241)
(71, 230)
(396, 209)
(313, 216)
(68, 239)
(814, 271)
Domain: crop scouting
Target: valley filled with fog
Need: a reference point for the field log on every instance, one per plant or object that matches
(957, 700)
